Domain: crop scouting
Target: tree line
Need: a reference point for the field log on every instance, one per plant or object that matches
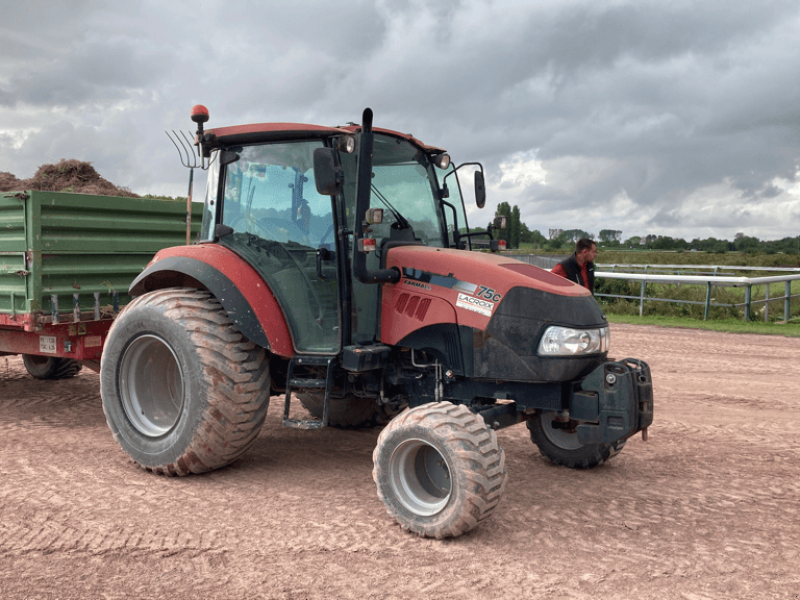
(517, 234)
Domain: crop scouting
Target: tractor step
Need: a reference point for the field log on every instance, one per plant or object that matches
(307, 383)
(303, 423)
(325, 383)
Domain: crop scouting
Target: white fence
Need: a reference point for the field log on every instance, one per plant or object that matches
(710, 276)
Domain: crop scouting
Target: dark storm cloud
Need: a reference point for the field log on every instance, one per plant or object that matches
(671, 107)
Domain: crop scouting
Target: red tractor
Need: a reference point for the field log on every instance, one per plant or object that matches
(334, 267)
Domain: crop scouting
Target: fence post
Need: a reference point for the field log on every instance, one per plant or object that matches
(787, 302)
(747, 294)
(641, 299)
(708, 301)
(766, 305)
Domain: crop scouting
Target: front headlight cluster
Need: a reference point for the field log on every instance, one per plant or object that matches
(566, 341)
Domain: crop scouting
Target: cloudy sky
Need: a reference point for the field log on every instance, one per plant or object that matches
(672, 118)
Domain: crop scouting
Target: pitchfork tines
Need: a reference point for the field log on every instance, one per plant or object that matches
(183, 144)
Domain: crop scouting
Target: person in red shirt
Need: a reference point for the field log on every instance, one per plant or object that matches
(580, 266)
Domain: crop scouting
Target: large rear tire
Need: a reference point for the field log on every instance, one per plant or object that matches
(50, 367)
(183, 390)
(439, 470)
(559, 443)
(349, 412)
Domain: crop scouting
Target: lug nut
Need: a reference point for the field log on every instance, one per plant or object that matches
(611, 379)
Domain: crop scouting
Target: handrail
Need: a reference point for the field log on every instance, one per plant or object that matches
(710, 282)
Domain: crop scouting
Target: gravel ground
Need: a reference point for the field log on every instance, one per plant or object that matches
(707, 509)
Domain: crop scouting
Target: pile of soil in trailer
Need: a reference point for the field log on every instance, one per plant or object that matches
(68, 175)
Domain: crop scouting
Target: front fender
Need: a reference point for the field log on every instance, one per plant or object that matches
(243, 293)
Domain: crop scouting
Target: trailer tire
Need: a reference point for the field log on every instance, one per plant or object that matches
(439, 470)
(350, 412)
(183, 390)
(561, 447)
(50, 367)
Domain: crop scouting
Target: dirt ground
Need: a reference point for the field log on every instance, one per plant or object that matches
(709, 508)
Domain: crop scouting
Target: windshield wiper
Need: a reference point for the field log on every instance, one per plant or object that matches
(397, 216)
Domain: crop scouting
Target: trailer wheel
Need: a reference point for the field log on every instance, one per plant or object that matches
(439, 470)
(50, 367)
(561, 446)
(349, 412)
(183, 390)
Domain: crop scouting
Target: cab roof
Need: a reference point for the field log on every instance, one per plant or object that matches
(265, 132)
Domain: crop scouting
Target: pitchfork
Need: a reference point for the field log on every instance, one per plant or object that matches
(183, 144)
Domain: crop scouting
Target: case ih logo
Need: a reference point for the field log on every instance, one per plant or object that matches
(475, 304)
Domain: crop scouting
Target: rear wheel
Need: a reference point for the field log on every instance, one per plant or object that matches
(50, 367)
(183, 390)
(347, 412)
(439, 470)
(559, 443)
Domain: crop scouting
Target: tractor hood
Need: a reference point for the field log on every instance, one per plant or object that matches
(495, 307)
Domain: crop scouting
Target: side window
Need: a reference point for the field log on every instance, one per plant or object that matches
(454, 216)
(270, 192)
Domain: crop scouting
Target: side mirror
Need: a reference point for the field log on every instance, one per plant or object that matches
(480, 190)
(500, 222)
(327, 175)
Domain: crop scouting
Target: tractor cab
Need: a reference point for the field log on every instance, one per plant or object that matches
(264, 203)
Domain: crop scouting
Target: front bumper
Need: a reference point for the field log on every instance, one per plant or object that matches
(615, 402)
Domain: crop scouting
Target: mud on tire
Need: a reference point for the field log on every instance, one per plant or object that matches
(183, 390)
(50, 367)
(561, 446)
(439, 470)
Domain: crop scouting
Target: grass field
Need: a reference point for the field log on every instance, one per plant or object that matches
(791, 329)
(722, 298)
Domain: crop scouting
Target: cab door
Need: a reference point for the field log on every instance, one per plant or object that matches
(279, 224)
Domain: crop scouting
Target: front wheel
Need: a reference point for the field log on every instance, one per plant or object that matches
(439, 470)
(559, 443)
(183, 390)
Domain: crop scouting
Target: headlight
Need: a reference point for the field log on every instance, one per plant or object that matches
(565, 341)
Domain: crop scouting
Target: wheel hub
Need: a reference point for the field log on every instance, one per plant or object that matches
(151, 385)
(560, 434)
(420, 477)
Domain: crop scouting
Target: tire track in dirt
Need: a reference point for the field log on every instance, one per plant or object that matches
(708, 508)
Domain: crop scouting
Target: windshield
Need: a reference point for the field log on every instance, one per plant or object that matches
(404, 185)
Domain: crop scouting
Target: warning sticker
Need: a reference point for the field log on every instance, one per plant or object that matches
(474, 304)
(92, 341)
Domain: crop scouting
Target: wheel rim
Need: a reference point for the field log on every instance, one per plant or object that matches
(420, 477)
(563, 438)
(151, 385)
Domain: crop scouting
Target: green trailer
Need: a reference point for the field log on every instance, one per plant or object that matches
(66, 262)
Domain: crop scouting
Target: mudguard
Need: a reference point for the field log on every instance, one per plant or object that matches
(243, 293)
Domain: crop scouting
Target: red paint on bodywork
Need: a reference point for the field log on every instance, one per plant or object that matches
(496, 272)
(268, 128)
(405, 136)
(251, 285)
(87, 338)
(288, 130)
